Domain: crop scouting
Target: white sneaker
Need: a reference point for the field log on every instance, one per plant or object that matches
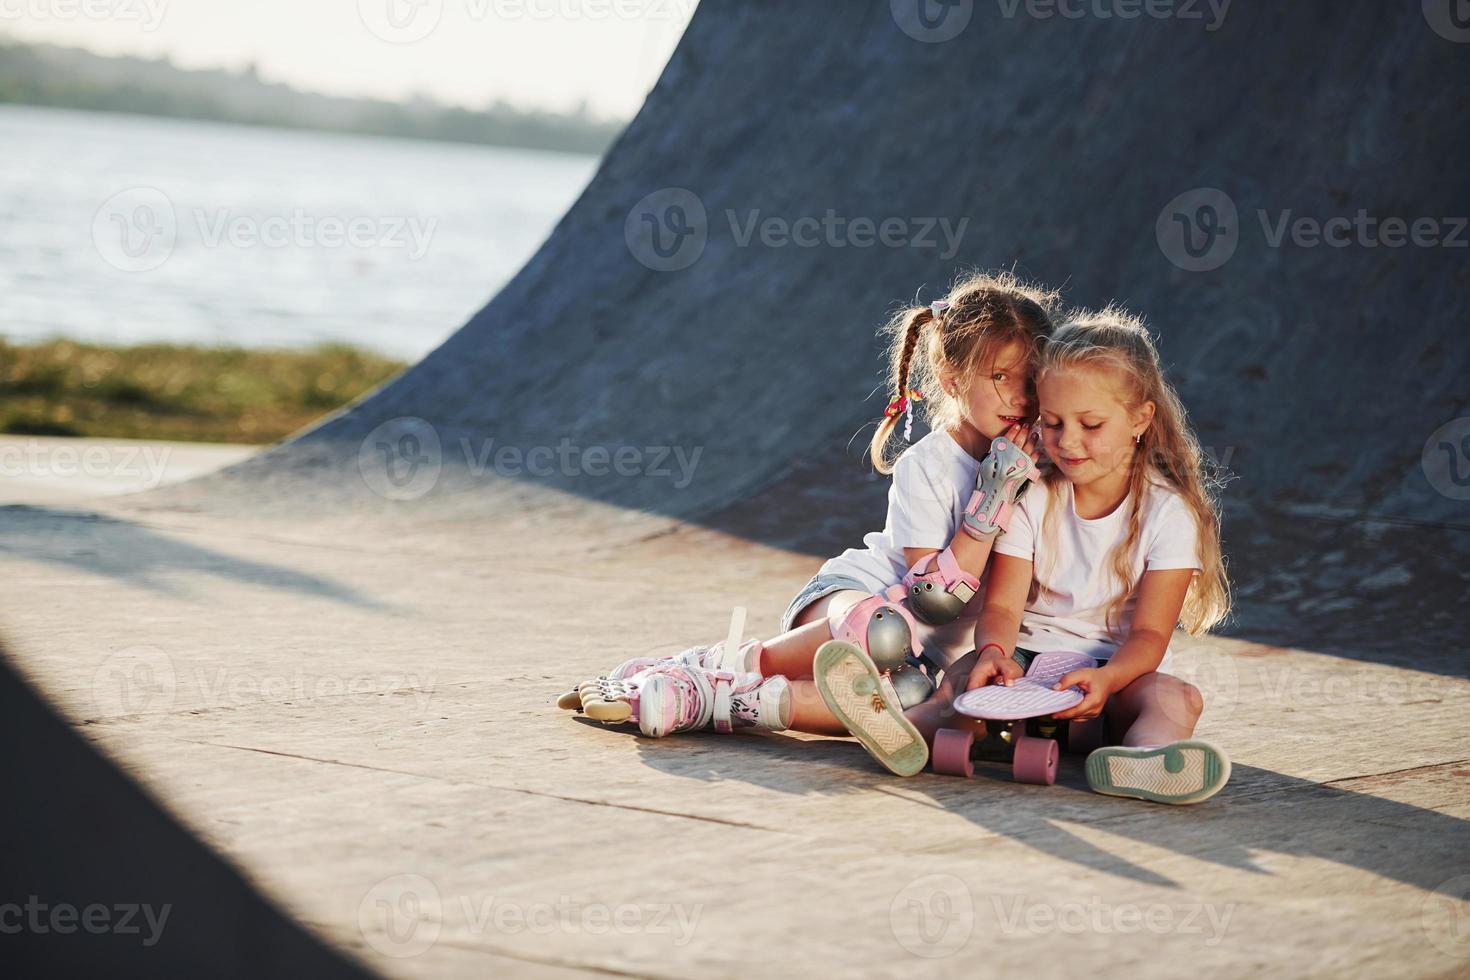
(1188, 771)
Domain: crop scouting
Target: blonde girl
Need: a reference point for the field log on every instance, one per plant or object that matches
(1108, 553)
(911, 595)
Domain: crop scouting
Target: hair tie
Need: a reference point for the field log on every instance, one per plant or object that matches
(938, 307)
(904, 405)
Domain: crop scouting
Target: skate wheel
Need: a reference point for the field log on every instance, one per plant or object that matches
(951, 755)
(1083, 737)
(609, 712)
(1036, 760)
(570, 701)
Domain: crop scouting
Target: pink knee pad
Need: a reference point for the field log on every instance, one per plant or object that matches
(882, 628)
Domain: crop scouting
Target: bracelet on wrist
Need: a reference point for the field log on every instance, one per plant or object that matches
(997, 646)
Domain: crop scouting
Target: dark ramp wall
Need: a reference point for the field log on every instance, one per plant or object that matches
(1318, 371)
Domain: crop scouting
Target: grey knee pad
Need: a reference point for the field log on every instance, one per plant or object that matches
(912, 686)
(888, 639)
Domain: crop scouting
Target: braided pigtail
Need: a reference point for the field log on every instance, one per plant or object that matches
(905, 329)
(936, 352)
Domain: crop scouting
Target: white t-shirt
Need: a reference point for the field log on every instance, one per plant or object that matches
(932, 482)
(1076, 580)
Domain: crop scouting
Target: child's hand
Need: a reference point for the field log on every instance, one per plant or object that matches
(1028, 438)
(994, 668)
(1096, 684)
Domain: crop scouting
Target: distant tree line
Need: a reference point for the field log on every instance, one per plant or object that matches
(49, 75)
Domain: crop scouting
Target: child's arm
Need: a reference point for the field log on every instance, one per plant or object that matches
(970, 552)
(1000, 622)
(1160, 598)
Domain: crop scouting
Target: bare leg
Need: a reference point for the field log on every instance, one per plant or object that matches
(1158, 760)
(791, 654)
(1155, 709)
(809, 713)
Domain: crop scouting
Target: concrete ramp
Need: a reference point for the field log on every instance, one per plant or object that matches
(337, 659)
(1315, 345)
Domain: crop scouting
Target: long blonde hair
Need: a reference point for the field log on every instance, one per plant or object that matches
(986, 312)
(1116, 341)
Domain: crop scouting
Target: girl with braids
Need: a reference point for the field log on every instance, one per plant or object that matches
(1108, 553)
(909, 598)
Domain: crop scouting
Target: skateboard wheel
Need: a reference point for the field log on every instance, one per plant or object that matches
(1083, 737)
(1036, 760)
(951, 755)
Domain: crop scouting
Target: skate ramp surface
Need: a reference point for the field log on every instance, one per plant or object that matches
(730, 357)
(350, 644)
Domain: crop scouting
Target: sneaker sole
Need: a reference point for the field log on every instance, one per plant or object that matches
(1188, 771)
(847, 681)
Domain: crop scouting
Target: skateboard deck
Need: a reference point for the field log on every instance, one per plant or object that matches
(1034, 759)
(1031, 696)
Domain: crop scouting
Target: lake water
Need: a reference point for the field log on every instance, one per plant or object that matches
(127, 229)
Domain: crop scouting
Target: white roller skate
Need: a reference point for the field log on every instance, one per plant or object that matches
(745, 658)
(676, 697)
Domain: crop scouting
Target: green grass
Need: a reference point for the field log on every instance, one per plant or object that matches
(167, 391)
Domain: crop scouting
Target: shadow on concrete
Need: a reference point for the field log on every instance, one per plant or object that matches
(98, 544)
(101, 881)
(1259, 811)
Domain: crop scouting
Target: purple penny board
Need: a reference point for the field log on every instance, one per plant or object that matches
(1029, 697)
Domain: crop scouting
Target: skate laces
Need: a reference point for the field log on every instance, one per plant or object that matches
(697, 706)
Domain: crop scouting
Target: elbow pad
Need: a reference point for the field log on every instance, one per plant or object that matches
(938, 596)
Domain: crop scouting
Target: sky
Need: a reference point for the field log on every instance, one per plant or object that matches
(542, 54)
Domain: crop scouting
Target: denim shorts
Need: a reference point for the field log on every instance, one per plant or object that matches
(819, 586)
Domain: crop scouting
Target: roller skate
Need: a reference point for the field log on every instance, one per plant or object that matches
(742, 658)
(747, 660)
(667, 699)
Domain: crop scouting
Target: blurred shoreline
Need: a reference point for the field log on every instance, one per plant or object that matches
(50, 75)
